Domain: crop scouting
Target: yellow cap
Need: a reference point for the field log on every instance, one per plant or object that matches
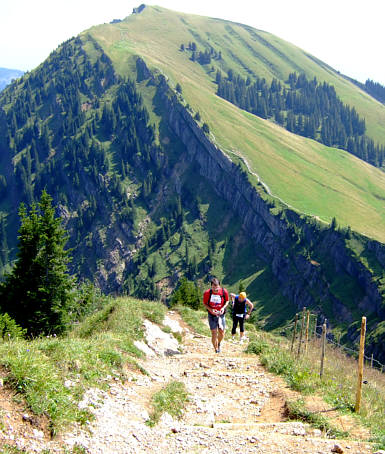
(242, 295)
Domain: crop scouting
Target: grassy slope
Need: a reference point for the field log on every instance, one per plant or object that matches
(307, 175)
(101, 345)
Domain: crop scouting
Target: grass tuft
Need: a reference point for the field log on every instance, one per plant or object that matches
(170, 399)
(194, 319)
(297, 410)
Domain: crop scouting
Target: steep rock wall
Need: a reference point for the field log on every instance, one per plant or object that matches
(302, 282)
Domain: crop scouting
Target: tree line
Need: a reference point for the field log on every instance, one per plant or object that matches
(375, 89)
(202, 57)
(306, 107)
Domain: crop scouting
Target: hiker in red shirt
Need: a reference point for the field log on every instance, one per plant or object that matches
(216, 300)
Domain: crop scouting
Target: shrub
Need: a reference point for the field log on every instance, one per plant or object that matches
(9, 328)
(187, 294)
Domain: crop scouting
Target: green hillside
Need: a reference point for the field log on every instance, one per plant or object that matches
(122, 126)
(307, 175)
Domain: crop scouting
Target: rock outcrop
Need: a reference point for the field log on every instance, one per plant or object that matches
(303, 281)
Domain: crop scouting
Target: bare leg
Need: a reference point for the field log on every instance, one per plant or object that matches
(214, 338)
(221, 335)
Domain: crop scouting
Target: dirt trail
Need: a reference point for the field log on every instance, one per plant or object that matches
(234, 406)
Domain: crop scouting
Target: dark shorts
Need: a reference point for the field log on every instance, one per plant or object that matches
(217, 321)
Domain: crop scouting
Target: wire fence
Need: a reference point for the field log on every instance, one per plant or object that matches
(310, 330)
(315, 331)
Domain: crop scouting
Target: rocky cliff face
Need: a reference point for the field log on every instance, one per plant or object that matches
(304, 281)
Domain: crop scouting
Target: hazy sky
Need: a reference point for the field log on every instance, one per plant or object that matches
(346, 34)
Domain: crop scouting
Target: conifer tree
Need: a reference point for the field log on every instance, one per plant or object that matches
(38, 292)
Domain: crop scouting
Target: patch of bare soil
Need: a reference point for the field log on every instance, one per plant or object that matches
(275, 408)
(16, 420)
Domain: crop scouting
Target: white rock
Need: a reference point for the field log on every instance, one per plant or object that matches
(38, 433)
(162, 343)
(142, 346)
(167, 420)
(172, 324)
(299, 431)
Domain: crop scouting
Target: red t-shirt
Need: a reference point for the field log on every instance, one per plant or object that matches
(217, 300)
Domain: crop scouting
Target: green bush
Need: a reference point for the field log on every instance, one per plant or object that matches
(10, 329)
(187, 294)
(257, 347)
(88, 300)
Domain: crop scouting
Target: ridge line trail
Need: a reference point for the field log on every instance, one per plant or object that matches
(234, 406)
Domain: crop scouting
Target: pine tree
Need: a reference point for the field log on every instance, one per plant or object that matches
(187, 294)
(38, 292)
(333, 224)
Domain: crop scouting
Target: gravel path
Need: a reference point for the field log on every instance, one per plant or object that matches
(232, 408)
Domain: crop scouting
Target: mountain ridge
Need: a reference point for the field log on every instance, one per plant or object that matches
(7, 75)
(104, 126)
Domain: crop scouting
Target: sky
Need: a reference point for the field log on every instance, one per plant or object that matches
(346, 34)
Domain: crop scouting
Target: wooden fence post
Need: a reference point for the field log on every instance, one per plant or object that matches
(315, 326)
(301, 334)
(360, 365)
(307, 330)
(371, 361)
(323, 344)
(294, 333)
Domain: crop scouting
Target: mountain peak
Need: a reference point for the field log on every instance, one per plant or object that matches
(139, 9)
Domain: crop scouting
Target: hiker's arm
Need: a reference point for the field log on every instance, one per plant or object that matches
(251, 306)
(232, 295)
(224, 307)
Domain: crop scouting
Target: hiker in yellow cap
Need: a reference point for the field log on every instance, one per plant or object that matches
(240, 313)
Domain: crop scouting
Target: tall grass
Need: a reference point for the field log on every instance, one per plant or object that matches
(338, 384)
(194, 318)
(52, 373)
